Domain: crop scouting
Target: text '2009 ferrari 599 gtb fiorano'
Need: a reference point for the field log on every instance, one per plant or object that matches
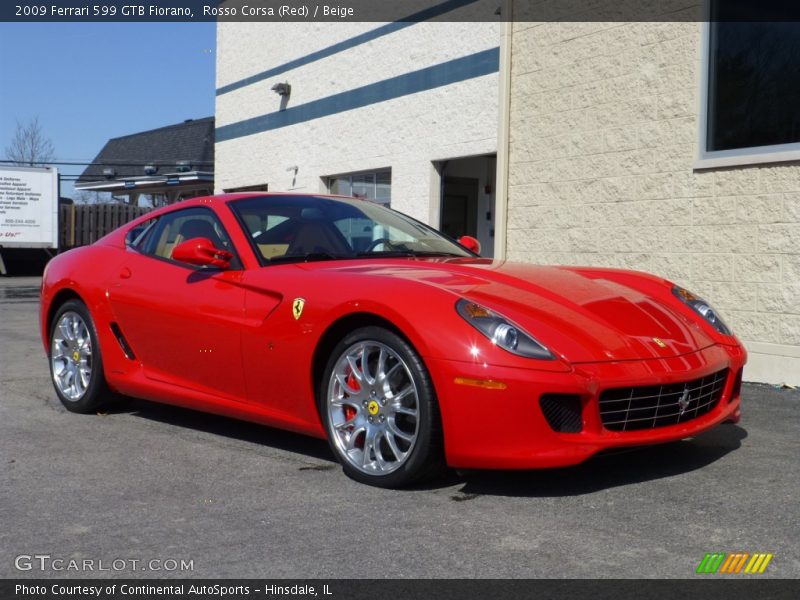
(343, 319)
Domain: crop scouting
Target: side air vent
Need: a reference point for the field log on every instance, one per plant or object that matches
(123, 343)
(563, 412)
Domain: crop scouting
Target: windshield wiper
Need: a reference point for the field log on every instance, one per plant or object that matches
(404, 253)
(310, 257)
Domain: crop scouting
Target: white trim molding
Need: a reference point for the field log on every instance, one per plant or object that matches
(503, 135)
(772, 363)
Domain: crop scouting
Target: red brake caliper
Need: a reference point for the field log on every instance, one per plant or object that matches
(352, 383)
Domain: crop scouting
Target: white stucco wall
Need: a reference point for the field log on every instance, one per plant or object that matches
(404, 133)
(603, 142)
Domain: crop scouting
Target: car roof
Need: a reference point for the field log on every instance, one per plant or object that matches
(220, 199)
(229, 197)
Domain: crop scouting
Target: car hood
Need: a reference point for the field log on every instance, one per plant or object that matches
(583, 315)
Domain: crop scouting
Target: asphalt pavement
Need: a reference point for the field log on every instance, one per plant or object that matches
(152, 487)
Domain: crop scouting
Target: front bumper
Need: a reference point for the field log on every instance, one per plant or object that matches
(506, 428)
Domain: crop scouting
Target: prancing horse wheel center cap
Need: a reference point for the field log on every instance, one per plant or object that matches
(373, 408)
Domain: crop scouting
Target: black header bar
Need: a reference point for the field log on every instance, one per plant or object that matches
(397, 10)
(704, 586)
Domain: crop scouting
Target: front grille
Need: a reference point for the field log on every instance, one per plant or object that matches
(648, 407)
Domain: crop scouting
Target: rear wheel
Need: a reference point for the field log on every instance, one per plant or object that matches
(379, 409)
(76, 366)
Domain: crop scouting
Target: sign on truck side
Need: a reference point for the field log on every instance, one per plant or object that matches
(28, 207)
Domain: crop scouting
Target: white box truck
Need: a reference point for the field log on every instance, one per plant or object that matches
(28, 209)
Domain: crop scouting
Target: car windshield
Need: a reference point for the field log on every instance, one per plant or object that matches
(294, 228)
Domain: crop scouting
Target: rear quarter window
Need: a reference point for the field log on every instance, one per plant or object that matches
(136, 236)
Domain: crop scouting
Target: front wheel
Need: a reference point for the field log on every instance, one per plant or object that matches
(379, 409)
(76, 366)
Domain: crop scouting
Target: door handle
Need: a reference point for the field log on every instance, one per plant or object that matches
(125, 273)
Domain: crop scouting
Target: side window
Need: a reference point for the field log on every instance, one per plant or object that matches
(137, 235)
(272, 232)
(173, 228)
(275, 235)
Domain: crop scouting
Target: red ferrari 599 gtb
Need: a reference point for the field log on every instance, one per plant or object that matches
(343, 319)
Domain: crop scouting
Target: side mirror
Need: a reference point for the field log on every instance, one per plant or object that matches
(202, 252)
(470, 243)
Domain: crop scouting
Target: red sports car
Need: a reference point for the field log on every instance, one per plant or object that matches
(343, 319)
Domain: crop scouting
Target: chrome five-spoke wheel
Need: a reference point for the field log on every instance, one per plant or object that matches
(379, 409)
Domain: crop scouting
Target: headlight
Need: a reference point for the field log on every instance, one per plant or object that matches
(702, 308)
(502, 332)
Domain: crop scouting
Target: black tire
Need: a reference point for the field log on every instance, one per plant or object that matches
(424, 458)
(96, 392)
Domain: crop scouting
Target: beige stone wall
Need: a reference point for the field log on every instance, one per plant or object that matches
(603, 141)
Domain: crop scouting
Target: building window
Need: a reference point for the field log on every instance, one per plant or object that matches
(375, 185)
(751, 108)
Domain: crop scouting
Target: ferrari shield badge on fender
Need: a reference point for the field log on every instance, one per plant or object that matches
(658, 341)
(297, 307)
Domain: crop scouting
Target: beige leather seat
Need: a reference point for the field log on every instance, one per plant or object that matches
(318, 236)
(199, 228)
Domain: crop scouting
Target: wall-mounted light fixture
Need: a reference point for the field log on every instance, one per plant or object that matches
(183, 166)
(282, 89)
(295, 169)
(109, 172)
(150, 169)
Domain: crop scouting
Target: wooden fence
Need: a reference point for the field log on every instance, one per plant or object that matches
(82, 224)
